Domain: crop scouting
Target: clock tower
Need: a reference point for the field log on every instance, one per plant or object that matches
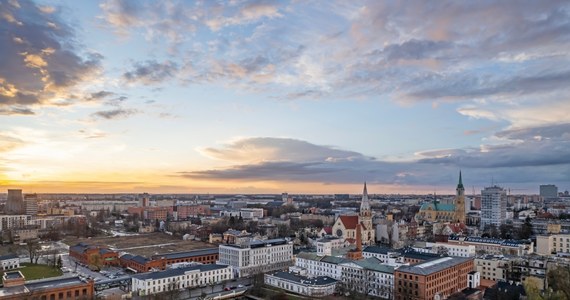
(459, 215)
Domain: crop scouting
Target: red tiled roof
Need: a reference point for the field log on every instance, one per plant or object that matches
(328, 229)
(349, 221)
(457, 227)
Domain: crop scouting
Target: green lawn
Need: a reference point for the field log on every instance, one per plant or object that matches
(31, 271)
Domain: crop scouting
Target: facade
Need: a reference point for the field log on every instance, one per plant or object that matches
(257, 256)
(31, 204)
(345, 226)
(183, 212)
(14, 203)
(9, 262)
(369, 275)
(319, 286)
(69, 288)
(440, 212)
(94, 255)
(14, 221)
(139, 264)
(251, 213)
(179, 278)
(492, 268)
(553, 244)
(453, 249)
(435, 279)
(203, 256)
(549, 192)
(493, 206)
(495, 246)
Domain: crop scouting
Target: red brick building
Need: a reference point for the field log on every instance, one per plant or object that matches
(186, 211)
(142, 264)
(443, 276)
(90, 255)
(69, 288)
(204, 256)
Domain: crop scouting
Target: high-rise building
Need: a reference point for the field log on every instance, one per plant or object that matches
(493, 206)
(31, 204)
(15, 203)
(548, 192)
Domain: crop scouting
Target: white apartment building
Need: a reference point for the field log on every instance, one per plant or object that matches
(552, 244)
(181, 278)
(385, 255)
(492, 268)
(369, 276)
(493, 206)
(14, 221)
(453, 249)
(319, 286)
(257, 256)
(9, 262)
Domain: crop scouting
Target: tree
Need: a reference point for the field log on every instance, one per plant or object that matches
(59, 263)
(558, 279)
(526, 229)
(506, 231)
(95, 261)
(33, 248)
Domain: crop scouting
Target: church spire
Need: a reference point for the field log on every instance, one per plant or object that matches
(365, 204)
(460, 184)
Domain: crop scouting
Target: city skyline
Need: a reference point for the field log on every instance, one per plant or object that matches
(267, 97)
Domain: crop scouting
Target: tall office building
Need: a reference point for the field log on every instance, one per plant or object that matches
(548, 192)
(493, 206)
(31, 204)
(15, 203)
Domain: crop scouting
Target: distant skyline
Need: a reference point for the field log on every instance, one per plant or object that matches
(283, 96)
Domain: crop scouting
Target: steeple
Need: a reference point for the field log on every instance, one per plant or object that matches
(460, 184)
(365, 204)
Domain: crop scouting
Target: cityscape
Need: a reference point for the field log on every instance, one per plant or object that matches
(252, 149)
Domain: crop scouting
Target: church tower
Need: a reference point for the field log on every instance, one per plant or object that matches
(365, 218)
(460, 202)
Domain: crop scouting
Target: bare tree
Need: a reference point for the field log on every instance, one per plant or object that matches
(33, 248)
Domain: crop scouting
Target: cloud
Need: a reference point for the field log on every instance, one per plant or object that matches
(284, 159)
(22, 111)
(151, 72)
(41, 59)
(115, 114)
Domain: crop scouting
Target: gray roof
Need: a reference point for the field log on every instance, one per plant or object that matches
(319, 280)
(53, 283)
(177, 272)
(378, 250)
(136, 258)
(375, 264)
(434, 266)
(8, 256)
(192, 253)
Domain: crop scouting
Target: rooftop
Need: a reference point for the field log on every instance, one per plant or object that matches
(8, 256)
(320, 280)
(378, 250)
(434, 266)
(178, 271)
(13, 275)
(199, 252)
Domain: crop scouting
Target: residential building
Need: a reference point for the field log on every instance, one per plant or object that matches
(179, 278)
(183, 212)
(452, 249)
(31, 204)
(435, 279)
(495, 246)
(14, 221)
(553, 244)
(492, 267)
(9, 262)
(251, 213)
(493, 206)
(257, 256)
(319, 286)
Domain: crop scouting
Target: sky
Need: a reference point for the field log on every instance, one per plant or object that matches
(284, 96)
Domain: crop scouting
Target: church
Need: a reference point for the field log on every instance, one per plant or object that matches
(345, 227)
(438, 212)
